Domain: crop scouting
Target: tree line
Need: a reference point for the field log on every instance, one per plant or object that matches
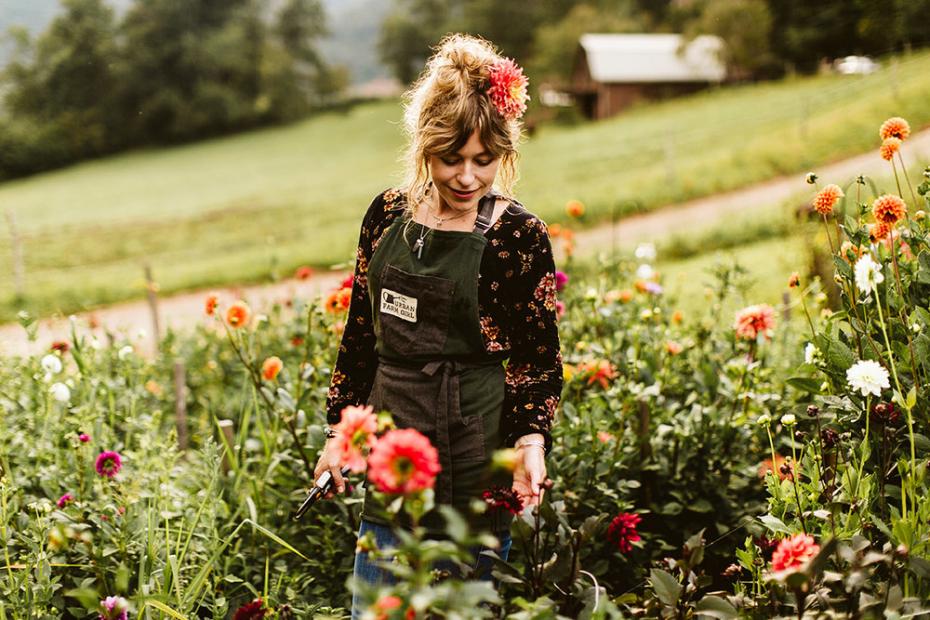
(764, 38)
(167, 71)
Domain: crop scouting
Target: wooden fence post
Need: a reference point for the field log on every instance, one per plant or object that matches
(227, 427)
(180, 403)
(152, 295)
(16, 248)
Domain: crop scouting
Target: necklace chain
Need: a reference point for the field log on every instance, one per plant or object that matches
(439, 220)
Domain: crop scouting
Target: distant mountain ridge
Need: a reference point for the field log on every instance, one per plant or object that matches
(354, 26)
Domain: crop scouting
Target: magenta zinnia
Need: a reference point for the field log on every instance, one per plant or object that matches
(508, 88)
(355, 433)
(108, 463)
(114, 608)
(403, 462)
(64, 500)
(622, 531)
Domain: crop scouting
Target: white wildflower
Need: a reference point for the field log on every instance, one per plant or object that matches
(645, 272)
(867, 376)
(60, 392)
(868, 274)
(124, 352)
(788, 419)
(646, 252)
(51, 364)
(812, 354)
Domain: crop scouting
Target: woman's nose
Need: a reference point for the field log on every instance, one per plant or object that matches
(467, 175)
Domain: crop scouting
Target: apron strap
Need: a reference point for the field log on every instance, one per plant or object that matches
(485, 212)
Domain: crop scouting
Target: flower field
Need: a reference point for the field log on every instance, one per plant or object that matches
(767, 463)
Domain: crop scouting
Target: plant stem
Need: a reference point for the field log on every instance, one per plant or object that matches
(795, 474)
(910, 421)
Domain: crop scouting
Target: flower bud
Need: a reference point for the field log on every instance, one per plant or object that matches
(813, 410)
(811, 178)
(920, 215)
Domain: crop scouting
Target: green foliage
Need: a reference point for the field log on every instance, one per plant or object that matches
(168, 71)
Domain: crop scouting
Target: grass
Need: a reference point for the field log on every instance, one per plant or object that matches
(252, 207)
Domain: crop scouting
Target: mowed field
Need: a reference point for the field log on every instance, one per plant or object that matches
(254, 206)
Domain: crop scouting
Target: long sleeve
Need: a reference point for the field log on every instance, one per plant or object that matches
(357, 359)
(534, 371)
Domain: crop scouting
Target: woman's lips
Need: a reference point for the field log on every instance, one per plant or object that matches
(463, 196)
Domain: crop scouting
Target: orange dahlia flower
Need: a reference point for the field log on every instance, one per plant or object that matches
(778, 468)
(895, 127)
(677, 316)
(601, 372)
(303, 273)
(574, 208)
(848, 247)
(827, 198)
(403, 462)
(794, 552)
(238, 315)
(210, 304)
(878, 231)
(673, 347)
(271, 367)
(888, 208)
(555, 230)
(338, 301)
(889, 147)
(794, 280)
(755, 320)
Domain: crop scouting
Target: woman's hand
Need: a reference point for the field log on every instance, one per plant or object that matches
(530, 471)
(330, 460)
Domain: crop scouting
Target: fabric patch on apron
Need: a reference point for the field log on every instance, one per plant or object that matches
(401, 306)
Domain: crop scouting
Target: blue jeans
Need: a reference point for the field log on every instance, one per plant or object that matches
(371, 573)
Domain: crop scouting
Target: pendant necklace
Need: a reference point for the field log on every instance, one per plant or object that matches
(418, 244)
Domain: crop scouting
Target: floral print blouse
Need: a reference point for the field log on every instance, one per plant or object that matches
(516, 305)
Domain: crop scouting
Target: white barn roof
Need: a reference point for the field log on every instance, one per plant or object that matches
(653, 58)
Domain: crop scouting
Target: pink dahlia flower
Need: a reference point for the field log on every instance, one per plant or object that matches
(622, 531)
(355, 433)
(508, 88)
(403, 462)
(794, 552)
(755, 320)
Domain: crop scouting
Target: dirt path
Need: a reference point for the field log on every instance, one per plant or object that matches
(186, 309)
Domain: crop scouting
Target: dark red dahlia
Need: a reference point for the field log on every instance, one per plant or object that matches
(622, 531)
(251, 611)
(503, 498)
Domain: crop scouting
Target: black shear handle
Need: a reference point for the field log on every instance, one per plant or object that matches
(321, 487)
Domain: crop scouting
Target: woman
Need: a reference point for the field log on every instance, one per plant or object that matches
(453, 278)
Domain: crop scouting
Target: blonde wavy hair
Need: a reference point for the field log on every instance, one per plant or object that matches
(446, 105)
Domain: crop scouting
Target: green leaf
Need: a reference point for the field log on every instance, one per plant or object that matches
(666, 587)
(923, 275)
(805, 384)
(912, 398)
(164, 609)
(837, 355)
(716, 607)
(774, 524)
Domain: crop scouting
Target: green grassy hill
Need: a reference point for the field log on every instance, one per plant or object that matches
(253, 206)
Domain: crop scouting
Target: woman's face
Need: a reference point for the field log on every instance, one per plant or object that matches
(463, 177)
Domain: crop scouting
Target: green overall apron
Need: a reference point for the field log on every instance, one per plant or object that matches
(433, 372)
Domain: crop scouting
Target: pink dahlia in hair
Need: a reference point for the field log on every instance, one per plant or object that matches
(755, 320)
(108, 463)
(622, 531)
(403, 462)
(508, 88)
(794, 552)
(251, 611)
(355, 433)
(114, 608)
